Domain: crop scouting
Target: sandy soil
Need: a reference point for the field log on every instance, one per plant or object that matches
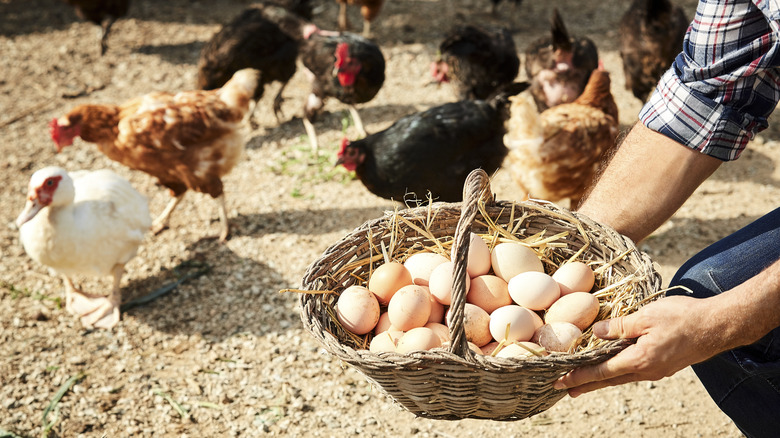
(226, 349)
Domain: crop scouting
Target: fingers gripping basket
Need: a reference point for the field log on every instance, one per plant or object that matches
(455, 383)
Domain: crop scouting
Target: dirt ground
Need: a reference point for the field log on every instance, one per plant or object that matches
(225, 354)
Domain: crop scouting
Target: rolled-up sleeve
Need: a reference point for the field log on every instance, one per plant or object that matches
(721, 89)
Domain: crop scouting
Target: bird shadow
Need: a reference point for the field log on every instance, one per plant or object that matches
(181, 54)
(223, 301)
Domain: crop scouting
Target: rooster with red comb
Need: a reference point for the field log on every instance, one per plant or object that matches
(342, 65)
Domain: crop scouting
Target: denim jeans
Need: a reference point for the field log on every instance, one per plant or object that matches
(744, 382)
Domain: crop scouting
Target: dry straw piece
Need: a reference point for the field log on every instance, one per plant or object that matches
(455, 383)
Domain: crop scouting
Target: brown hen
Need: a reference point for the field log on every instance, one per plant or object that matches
(555, 155)
(188, 140)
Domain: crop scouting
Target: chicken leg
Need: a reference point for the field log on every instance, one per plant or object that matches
(223, 218)
(312, 134)
(95, 311)
(357, 121)
(161, 221)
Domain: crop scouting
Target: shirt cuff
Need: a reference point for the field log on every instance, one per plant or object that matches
(696, 121)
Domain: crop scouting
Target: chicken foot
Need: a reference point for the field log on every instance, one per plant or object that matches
(95, 311)
(161, 222)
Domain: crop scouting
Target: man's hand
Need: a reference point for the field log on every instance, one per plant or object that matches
(671, 334)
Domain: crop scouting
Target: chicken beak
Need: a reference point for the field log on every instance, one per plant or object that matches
(31, 208)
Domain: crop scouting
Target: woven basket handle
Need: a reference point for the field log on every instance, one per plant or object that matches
(475, 189)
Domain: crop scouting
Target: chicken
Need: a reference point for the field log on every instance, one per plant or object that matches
(101, 12)
(265, 37)
(369, 9)
(343, 65)
(432, 151)
(555, 155)
(84, 223)
(188, 141)
(494, 6)
(476, 60)
(651, 35)
(559, 66)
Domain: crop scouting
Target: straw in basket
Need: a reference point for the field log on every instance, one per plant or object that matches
(454, 383)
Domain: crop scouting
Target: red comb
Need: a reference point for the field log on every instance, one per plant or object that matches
(54, 131)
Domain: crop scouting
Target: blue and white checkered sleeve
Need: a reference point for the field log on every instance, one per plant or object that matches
(724, 85)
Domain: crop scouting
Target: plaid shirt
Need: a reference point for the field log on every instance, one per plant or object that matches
(720, 90)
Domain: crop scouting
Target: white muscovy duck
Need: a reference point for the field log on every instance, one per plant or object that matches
(84, 223)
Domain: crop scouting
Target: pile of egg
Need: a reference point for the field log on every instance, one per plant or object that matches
(511, 303)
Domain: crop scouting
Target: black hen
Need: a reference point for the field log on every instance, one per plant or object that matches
(345, 66)
(478, 61)
(265, 37)
(101, 12)
(651, 35)
(559, 65)
(434, 150)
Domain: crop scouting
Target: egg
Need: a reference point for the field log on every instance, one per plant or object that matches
(476, 324)
(383, 324)
(488, 292)
(521, 323)
(421, 264)
(511, 258)
(410, 307)
(385, 342)
(440, 329)
(357, 309)
(418, 339)
(489, 348)
(521, 349)
(437, 310)
(440, 283)
(557, 336)
(574, 277)
(387, 279)
(473, 347)
(478, 262)
(578, 308)
(534, 290)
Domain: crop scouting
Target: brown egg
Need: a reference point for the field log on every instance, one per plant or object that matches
(387, 279)
(383, 324)
(574, 277)
(557, 336)
(437, 311)
(421, 264)
(440, 284)
(578, 308)
(410, 307)
(476, 324)
(478, 262)
(521, 323)
(418, 339)
(511, 258)
(488, 349)
(357, 309)
(488, 292)
(440, 329)
(534, 290)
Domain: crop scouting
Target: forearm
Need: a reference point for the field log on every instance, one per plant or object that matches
(646, 181)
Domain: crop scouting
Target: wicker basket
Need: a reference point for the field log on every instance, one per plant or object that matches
(454, 383)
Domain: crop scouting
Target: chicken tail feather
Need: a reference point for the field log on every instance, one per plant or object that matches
(238, 91)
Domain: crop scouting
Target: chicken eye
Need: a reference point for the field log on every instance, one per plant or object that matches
(49, 182)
